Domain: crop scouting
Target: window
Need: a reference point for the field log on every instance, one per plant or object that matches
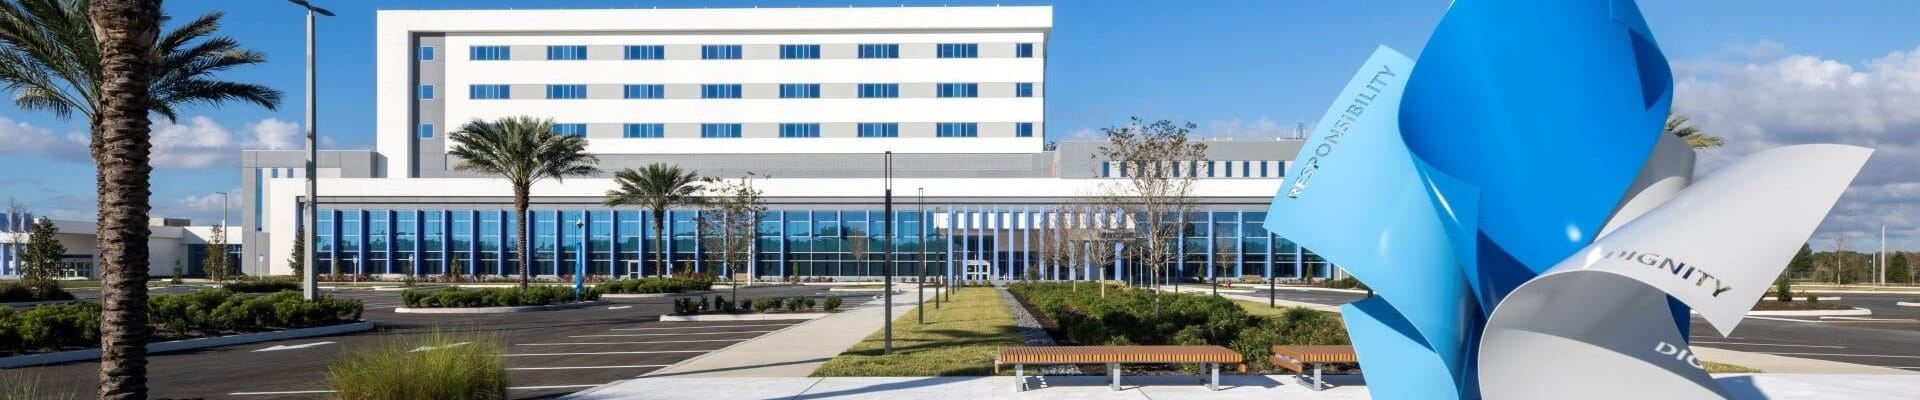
(426, 131)
(645, 91)
(1210, 165)
(959, 50)
(879, 130)
(880, 51)
(490, 53)
(721, 91)
(879, 90)
(1263, 169)
(648, 131)
(957, 129)
(720, 52)
(799, 130)
(651, 52)
(1023, 89)
(566, 52)
(720, 130)
(426, 92)
(1245, 167)
(1023, 50)
(566, 91)
(426, 53)
(1023, 129)
(799, 90)
(488, 91)
(799, 51)
(1106, 169)
(575, 130)
(959, 90)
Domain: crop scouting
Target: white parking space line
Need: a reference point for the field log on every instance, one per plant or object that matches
(550, 387)
(1784, 319)
(660, 341)
(1718, 337)
(1772, 344)
(603, 353)
(696, 327)
(1840, 355)
(619, 307)
(591, 367)
(666, 334)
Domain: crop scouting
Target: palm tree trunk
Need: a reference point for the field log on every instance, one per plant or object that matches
(125, 32)
(660, 242)
(520, 231)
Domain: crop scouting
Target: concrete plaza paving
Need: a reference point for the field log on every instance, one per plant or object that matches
(795, 351)
(1233, 387)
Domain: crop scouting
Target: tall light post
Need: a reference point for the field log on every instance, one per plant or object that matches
(887, 212)
(223, 209)
(308, 289)
(920, 200)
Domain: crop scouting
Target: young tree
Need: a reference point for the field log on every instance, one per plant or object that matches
(1226, 254)
(41, 260)
(1802, 262)
(733, 211)
(1897, 270)
(857, 244)
(215, 264)
(522, 150)
(658, 187)
(1160, 163)
(298, 263)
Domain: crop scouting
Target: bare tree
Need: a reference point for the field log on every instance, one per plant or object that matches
(1160, 164)
(1226, 254)
(1835, 262)
(733, 211)
(857, 244)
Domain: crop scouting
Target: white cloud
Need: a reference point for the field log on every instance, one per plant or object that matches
(24, 139)
(272, 133)
(1772, 99)
(196, 142)
(203, 209)
(1262, 128)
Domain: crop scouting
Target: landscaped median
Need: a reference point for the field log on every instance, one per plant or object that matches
(654, 287)
(719, 308)
(958, 339)
(456, 300)
(1126, 316)
(213, 317)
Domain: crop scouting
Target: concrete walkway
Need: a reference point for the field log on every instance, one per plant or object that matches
(1233, 387)
(1795, 365)
(795, 351)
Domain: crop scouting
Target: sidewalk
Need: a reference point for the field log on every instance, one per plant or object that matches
(1792, 365)
(1233, 387)
(795, 351)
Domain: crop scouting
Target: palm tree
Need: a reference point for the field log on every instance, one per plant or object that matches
(1677, 126)
(657, 186)
(523, 150)
(110, 62)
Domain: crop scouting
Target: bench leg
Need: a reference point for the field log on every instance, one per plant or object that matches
(1113, 370)
(1317, 383)
(1214, 384)
(1019, 377)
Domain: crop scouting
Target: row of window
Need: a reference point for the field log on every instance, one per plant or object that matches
(725, 51)
(787, 130)
(793, 241)
(726, 91)
(1201, 169)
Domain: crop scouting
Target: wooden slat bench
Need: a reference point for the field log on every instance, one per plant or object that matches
(1210, 357)
(1296, 358)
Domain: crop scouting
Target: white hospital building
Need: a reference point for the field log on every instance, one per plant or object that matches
(807, 99)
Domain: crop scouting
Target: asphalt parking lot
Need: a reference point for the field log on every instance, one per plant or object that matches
(550, 353)
(1888, 338)
(1327, 297)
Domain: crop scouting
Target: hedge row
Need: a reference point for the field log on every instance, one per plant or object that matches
(455, 297)
(18, 291)
(204, 313)
(269, 284)
(654, 285)
(1126, 316)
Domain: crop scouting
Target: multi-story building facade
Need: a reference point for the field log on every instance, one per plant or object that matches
(807, 100)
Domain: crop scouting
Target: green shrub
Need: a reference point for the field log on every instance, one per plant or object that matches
(832, 304)
(1126, 316)
(17, 291)
(1344, 283)
(762, 305)
(795, 304)
(391, 370)
(654, 285)
(454, 297)
(265, 284)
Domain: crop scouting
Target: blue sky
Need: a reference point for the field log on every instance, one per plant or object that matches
(1752, 70)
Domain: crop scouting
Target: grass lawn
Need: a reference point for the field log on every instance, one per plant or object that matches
(958, 339)
(1261, 308)
(1718, 368)
(1772, 305)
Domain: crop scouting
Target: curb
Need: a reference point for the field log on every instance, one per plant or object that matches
(743, 317)
(25, 304)
(189, 344)
(498, 310)
(1811, 313)
(1907, 304)
(653, 295)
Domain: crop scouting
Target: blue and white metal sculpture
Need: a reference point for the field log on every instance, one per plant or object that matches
(1523, 219)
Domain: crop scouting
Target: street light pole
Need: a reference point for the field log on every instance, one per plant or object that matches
(308, 288)
(920, 204)
(888, 271)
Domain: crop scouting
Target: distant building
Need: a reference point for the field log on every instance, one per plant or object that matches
(806, 99)
(173, 240)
